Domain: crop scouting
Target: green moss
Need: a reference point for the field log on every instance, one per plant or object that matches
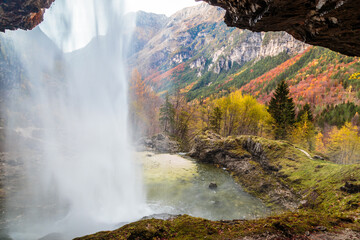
(316, 182)
(239, 152)
(187, 227)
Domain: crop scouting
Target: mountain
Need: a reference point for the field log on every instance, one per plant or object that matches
(197, 53)
(195, 40)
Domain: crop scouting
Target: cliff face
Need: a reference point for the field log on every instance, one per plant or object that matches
(197, 37)
(334, 24)
(23, 14)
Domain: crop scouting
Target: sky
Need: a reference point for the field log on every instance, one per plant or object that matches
(71, 23)
(167, 7)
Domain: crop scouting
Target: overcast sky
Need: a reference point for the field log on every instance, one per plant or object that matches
(167, 7)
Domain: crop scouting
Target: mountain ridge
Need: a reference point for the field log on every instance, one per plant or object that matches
(203, 43)
(213, 59)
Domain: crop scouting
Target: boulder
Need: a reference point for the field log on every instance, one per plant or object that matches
(213, 186)
(245, 157)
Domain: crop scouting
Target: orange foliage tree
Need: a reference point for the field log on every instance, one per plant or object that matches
(144, 107)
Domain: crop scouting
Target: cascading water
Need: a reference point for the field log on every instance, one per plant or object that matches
(88, 181)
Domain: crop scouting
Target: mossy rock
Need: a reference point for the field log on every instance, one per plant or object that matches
(285, 226)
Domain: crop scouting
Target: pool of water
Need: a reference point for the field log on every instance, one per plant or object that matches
(179, 185)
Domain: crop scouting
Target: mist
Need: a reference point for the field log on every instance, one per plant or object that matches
(81, 176)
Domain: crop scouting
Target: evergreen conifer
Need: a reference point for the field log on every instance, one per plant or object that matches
(282, 109)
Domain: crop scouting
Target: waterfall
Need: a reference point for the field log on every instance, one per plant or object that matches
(84, 178)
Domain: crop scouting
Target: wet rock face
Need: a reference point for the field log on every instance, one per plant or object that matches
(22, 14)
(334, 24)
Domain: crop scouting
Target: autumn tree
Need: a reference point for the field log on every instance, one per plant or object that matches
(136, 95)
(281, 108)
(304, 132)
(319, 143)
(344, 144)
(215, 120)
(200, 118)
(144, 107)
(182, 127)
(167, 116)
(253, 118)
(242, 114)
(182, 118)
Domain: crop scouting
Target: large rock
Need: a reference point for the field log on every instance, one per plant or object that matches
(23, 14)
(334, 24)
(245, 157)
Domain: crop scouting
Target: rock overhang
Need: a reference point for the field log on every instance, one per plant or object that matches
(22, 14)
(334, 24)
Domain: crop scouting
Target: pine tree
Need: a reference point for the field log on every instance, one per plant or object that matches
(167, 115)
(306, 109)
(282, 109)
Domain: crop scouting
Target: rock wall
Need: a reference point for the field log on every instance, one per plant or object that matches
(23, 14)
(334, 24)
(254, 47)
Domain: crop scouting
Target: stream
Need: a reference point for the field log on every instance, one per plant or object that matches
(179, 185)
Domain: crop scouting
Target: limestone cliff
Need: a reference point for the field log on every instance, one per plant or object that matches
(198, 38)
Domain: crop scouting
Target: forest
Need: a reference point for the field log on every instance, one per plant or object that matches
(333, 133)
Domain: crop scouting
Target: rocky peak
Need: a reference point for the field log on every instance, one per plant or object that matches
(198, 14)
(334, 24)
(145, 19)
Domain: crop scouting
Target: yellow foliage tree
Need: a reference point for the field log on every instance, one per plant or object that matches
(355, 76)
(319, 143)
(344, 144)
(242, 114)
(304, 133)
(144, 107)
